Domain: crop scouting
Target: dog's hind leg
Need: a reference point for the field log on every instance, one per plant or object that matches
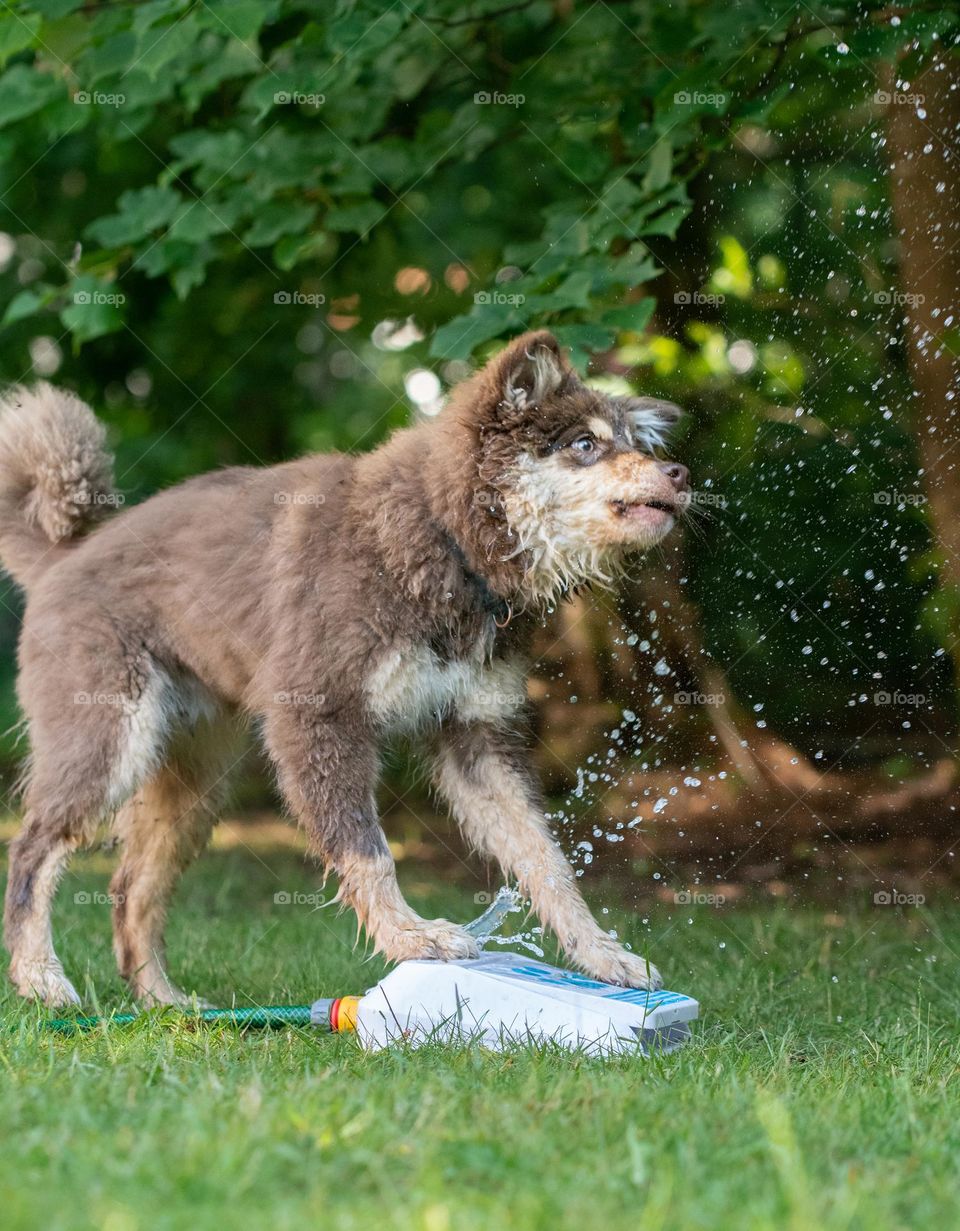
(38, 858)
(88, 758)
(163, 828)
(68, 792)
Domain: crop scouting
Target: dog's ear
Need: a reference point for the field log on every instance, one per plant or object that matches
(528, 371)
(651, 421)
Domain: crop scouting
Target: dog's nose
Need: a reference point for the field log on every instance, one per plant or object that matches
(678, 475)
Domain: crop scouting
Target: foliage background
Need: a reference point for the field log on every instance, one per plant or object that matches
(245, 229)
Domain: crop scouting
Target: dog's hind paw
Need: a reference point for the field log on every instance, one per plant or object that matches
(44, 981)
(434, 939)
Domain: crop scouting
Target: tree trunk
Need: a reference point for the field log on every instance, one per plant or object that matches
(925, 191)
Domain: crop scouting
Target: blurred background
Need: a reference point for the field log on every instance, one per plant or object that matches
(244, 230)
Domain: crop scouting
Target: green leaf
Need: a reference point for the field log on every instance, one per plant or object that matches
(361, 217)
(584, 340)
(634, 317)
(278, 218)
(201, 219)
(659, 166)
(242, 18)
(458, 339)
(142, 211)
(17, 33)
(668, 222)
(24, 91)
(57, 8)
(24, 304)
(93, 308)
(293, 249)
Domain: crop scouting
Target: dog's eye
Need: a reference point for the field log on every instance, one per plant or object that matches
(584, 446)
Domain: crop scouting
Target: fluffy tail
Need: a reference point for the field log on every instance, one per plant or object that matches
(56, 476)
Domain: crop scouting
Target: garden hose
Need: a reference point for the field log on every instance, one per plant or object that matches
(337, 1015)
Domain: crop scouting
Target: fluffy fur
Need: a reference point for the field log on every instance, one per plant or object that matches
(337, 601)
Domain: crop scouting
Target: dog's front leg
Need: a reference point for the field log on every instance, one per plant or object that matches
(483, 773)
(328, 776)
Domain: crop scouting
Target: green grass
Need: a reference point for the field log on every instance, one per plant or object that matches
(820, 1091)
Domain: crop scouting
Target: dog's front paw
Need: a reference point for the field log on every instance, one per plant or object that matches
(436, 939)
(44, 981)
(611, 964)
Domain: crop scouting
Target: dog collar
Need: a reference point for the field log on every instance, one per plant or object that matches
(490, 601)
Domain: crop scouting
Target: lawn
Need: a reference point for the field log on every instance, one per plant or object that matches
(820, 1090)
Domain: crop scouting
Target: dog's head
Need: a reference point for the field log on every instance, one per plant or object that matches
(576, 471)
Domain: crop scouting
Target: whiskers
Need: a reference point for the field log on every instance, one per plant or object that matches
(699, 510)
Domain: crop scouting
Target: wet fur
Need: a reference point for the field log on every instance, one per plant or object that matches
(335, 600)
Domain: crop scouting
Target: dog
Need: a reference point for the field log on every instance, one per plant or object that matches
(336, 600)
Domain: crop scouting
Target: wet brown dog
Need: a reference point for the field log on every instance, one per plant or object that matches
(336, 599)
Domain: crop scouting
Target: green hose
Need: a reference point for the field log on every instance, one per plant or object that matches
(264, 1017)
(337, 1015)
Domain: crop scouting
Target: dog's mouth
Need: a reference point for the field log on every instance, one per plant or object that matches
(651, 511)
